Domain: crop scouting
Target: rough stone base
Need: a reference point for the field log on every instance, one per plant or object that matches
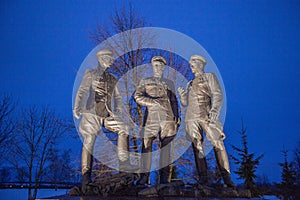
(178, 189)
(122, 185)
(105, 186)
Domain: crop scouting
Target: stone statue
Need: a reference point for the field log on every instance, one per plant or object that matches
(96, 112)
(160, 119)
(203, 98)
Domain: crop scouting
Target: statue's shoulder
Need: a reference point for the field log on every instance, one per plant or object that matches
(90, 72)
(112, 76)
(87, 71)
(210, 76)
(168, 81)
(146, 80)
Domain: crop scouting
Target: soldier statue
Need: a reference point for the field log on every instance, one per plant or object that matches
(160, 120)
(203, 98)
(96, 112)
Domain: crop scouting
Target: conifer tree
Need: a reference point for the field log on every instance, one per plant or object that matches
(287, 187)
(247, 162)
(288, 174)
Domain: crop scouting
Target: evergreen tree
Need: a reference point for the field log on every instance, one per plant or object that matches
(297, 162)
(247, 162)
(288, 174)
(287, 187)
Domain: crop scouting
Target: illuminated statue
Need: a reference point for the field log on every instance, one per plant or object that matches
(203, 98)
(101, 89)
(160, 120)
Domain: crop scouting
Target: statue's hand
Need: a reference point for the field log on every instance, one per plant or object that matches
(118, 112)
(155, 101)
(213, 115)
(181, 91)
(77, 113)
(178, 123)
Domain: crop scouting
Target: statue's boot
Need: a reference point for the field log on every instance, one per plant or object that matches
(145, 162)
(223, 164)
(123, 154)
(201, 165)
(164, 175)
(165, 160)
(144, 179)
(86, 166)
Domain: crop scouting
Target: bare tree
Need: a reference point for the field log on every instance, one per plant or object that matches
(37, 133)
(60, 167)
(131, 53)
(7, 107)
(130, 48)
(5, 175)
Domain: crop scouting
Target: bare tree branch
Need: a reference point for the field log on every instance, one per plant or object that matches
(7, 124)
(37, 133)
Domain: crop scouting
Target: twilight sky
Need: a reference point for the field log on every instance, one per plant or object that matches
(255, 45)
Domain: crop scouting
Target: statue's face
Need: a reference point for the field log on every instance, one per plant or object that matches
(106, 61)
(196, 65)
(158, 68)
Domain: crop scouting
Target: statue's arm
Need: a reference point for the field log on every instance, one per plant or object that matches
(216, 94)
(81, 95)
(174, 102)
(183, 95)
(118, 99)
(140, 96)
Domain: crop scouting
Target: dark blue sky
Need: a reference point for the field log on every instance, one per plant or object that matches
(255, 44)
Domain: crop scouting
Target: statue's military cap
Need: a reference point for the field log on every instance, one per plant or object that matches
(159, 58)
(198, 57)
(104, 52)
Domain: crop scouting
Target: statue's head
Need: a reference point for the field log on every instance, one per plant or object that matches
(158, 65)
(197, 64)
(105, 58)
